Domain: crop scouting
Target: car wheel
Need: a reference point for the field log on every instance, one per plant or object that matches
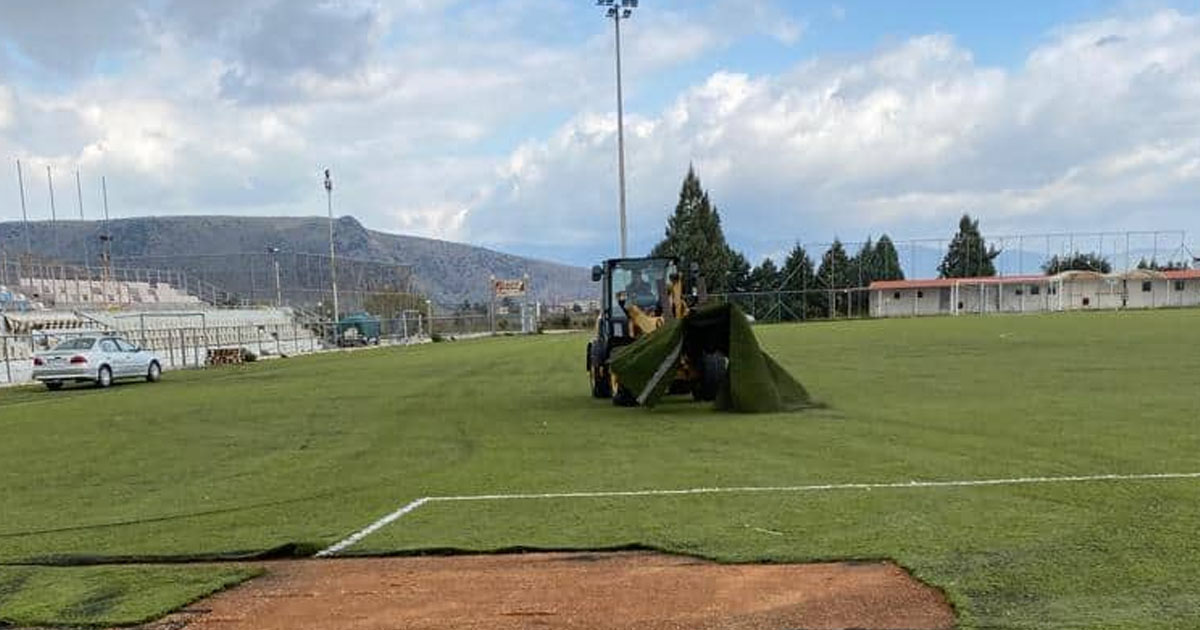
(104, 378)
(154, 374)
(54, 385)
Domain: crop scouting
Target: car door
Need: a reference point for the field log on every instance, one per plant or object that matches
(112, 355)
(131, 358)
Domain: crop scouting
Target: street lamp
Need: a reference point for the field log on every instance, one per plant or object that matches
(618, 10)
(332, 252)
(274, 252)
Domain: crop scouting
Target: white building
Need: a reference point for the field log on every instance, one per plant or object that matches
(1068, 291)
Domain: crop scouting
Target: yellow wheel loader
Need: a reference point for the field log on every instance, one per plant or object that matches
(638, 297)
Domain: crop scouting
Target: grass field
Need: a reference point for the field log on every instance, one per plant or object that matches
(306, 451)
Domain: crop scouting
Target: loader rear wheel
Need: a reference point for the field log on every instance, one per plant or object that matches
(714, 369)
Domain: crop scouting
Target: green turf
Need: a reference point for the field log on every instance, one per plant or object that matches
(112, 595)
(309, 450)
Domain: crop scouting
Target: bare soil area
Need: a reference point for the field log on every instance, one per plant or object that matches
(569, 590)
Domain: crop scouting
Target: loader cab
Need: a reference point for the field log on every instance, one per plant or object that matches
(643, 282)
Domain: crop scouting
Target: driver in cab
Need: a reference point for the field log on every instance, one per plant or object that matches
(640, 292)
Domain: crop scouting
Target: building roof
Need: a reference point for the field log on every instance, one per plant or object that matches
(943, 283)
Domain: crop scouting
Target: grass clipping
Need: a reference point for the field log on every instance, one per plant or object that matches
(755, 383)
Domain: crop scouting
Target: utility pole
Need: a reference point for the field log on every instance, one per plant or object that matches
(106, 239)
(332, 250)
(87, 263)
(24, 213)
(618, 11)
(53, 211)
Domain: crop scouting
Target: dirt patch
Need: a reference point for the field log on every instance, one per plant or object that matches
(576, 591)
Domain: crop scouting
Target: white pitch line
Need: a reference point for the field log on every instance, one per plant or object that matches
(960, 483)
(370, 529)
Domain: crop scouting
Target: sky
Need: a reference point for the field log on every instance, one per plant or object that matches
(494, 122)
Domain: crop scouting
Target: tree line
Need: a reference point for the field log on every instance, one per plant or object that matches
(694, 234)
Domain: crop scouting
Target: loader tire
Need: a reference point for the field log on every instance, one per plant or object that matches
(624, 397)
(601, 383)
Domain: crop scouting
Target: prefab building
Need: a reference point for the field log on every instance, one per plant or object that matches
(1067, 291)
(952, 296)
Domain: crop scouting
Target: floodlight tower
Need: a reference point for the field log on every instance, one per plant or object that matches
(618, 10)
(332, 251)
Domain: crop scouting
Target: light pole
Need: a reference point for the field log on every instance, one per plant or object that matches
(274, 252)
(53, 212)
(24, 213)
(429, 316)
(79, 193)
(332, 251)
(618, 10)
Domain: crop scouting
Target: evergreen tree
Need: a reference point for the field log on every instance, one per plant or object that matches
(797, 278)
(694, 235)
(1077, 262)
(765, 276)
(1154, 265)
(738, 278)
(887, 261)
(864, 267)
(968, 255)
(834, 274)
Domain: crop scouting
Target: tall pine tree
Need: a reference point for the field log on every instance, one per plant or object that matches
(694, 235)
(797, 279)
(887, 261)
(764, 277)
(968, 255)
(834, 274)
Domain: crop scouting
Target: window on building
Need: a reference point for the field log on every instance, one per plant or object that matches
(896, 295)
(920, 294)
(1179, 285)
(960, 306)
(1087, 301)
(1052, 290)
(1035, 289)
(1147, 286)
(1020, 291)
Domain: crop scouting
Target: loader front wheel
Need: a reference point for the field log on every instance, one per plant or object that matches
(624, 397)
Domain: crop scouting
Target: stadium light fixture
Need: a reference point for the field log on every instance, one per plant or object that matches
(616, 11)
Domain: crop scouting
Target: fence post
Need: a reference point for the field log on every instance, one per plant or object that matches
(7, 365)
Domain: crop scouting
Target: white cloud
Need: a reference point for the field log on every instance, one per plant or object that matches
(1100, 128)
(432, 115)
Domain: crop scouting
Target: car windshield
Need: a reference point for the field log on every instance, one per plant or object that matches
(79, 343)
(640, 280)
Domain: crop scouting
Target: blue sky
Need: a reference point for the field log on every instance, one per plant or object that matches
(493, 122)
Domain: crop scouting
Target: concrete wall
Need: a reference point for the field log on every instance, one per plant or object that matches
(910, 303)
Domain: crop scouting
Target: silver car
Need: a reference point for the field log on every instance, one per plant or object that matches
(99, 359)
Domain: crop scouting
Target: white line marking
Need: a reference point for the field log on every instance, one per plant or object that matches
(370, 529)
(1013, 481)
(914, 484)
(667, 364)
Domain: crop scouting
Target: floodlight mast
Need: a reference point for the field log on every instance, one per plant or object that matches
(332, 251)
(617, 11)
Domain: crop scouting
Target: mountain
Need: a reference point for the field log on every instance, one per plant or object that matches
(232, 253)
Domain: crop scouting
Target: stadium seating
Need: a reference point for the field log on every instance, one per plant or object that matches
(79, 293)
